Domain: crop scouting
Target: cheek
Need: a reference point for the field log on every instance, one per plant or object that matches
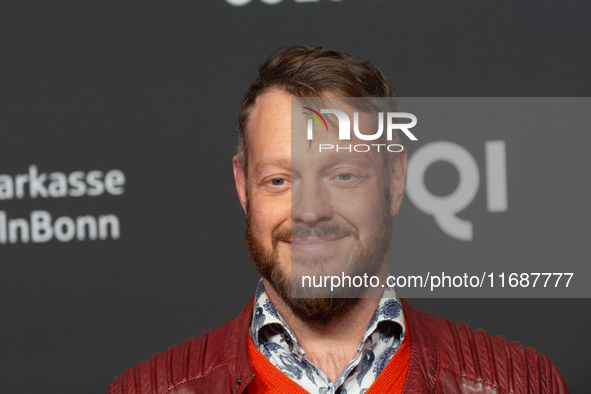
(269, 213)
(361, 208)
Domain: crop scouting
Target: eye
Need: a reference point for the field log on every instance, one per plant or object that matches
(277, 181)
(345, 176)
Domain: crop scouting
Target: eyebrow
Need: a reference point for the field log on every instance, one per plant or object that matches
(358, 161)
(258, 168)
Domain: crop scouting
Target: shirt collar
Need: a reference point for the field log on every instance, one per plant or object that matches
(265, 316)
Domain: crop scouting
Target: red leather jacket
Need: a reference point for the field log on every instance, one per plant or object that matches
(445, 358)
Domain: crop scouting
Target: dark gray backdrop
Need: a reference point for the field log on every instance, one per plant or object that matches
(151, 88)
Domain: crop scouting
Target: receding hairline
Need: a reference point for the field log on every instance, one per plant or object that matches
(309, 72)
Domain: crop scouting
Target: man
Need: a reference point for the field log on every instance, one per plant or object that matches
(312, 214)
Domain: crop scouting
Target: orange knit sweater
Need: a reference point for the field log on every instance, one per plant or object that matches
(271, 380)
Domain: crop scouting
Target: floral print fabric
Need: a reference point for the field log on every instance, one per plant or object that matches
(276, 341)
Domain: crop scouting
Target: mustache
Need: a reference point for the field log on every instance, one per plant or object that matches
(300, 231)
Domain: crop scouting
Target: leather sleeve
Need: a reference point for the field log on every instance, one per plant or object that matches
(162, 371)
(215, 362)
(483, 363)
(447, 357)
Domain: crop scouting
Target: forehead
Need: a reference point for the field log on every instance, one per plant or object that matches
(272, 110)
(270, 137)
(269, 126)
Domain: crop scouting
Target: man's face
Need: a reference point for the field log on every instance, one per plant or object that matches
(311, 212)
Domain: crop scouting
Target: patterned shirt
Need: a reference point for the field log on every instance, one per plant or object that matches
(381, 339)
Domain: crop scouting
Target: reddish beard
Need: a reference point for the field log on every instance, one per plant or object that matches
(307, 307)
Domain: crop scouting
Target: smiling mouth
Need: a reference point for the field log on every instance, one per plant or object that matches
(314, 244)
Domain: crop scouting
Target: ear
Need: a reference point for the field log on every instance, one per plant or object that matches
(397, 181)
(240, 179)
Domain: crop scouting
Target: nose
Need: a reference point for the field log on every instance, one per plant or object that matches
(310, 203)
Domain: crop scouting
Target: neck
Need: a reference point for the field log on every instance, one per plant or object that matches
(330, 347)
